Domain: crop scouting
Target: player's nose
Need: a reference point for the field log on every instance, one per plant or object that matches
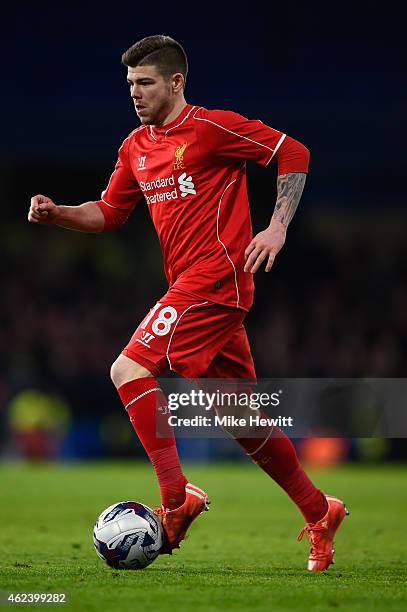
(135, 93)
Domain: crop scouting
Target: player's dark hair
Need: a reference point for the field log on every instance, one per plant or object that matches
(163, 52)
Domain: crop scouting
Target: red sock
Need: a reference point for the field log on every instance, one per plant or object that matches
(140, 398)
(277, 457)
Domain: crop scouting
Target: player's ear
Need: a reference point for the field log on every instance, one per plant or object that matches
(177, 82)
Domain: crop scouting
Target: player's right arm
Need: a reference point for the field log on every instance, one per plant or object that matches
(111, 211)
(87, 217)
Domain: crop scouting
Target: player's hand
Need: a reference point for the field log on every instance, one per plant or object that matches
(42, 210)
(264, 245)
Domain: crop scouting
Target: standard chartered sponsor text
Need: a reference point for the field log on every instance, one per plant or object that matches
(162, 197)
(157, 184)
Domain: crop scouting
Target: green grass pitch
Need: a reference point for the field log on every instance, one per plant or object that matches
(240, 556)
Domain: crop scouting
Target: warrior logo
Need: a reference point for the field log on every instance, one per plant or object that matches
(142, 162)
(179, 159)
(145, 339)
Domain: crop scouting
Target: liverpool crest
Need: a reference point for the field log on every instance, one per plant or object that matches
(179, 159)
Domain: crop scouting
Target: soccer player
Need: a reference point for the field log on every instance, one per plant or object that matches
(189, 163)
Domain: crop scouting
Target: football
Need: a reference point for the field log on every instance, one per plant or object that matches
(128, 535)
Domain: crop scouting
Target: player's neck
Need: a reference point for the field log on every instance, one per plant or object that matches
(178, 108)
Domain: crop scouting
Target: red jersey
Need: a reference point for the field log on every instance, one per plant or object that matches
(192, 174)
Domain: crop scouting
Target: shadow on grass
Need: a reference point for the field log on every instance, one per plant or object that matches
(238, 573)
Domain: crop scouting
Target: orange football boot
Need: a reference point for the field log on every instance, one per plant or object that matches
(321, 535)
(176, 522)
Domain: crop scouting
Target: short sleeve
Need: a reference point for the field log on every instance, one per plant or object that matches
(228, 134)
(123, 191)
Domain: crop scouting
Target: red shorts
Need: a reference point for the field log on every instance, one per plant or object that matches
(194, 338)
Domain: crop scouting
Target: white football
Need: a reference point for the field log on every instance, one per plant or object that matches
(128, 535)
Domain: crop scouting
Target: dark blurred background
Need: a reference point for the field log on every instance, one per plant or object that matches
(335, 303)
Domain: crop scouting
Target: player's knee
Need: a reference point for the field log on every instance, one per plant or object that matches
(124, 370)
(236, 421)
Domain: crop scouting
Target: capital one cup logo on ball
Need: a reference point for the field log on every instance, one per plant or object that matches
(128, 535)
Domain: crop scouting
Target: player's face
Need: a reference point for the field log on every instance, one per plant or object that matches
(152, 94)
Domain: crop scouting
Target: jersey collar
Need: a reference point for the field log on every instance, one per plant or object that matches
(162, 131)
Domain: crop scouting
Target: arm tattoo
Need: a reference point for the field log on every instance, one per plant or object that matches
(289, 190)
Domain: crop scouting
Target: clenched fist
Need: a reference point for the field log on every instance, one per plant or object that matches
(42, 210)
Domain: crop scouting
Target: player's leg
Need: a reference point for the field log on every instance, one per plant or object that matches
(141, 396)
(125, 370)
(146, 405)
(274, 452)
(268, 447)
(185, 334)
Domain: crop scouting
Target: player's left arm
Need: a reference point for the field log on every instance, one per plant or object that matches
(227, 134)
(269, 242)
